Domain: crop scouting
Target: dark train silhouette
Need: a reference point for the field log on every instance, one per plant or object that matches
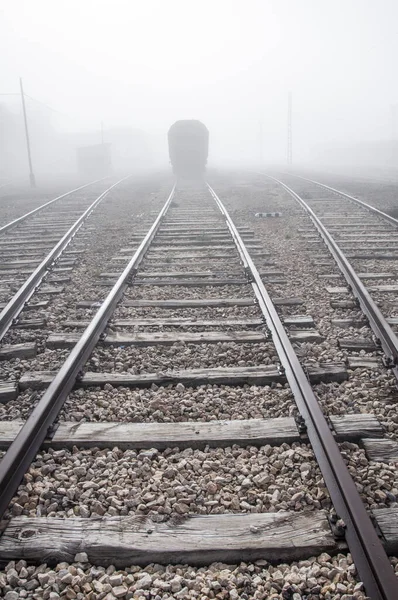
(188, 148)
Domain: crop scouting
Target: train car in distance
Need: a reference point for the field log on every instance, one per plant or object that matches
(188, 148)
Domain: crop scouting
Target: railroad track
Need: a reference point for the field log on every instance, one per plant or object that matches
(34, 247)
(183, 488)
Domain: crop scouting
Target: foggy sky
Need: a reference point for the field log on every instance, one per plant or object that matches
(229, 63)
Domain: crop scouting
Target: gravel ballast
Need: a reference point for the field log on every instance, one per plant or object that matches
(113, 482)
(320, 577)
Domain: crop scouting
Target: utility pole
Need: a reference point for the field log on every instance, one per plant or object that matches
(289, 131)
(31, 174)
(393, 143)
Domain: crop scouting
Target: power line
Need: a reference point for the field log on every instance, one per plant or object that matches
(289, 131)
(47, 106)
(31, 174)
(38, 102)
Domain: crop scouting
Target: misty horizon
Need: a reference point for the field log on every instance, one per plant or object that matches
(142, 66)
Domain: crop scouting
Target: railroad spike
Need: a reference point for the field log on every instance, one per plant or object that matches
(51, 431)
(301, 424)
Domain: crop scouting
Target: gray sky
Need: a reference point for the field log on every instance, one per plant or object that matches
(229, 63)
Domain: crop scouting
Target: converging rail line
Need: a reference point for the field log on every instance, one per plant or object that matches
(363, 237)
(37, 239)
(192, 245)
(38, 209)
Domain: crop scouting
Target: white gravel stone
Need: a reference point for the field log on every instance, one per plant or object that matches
(317, 578)
(161, 484)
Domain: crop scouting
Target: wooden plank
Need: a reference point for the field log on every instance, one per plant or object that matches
(8, 432)
(383, 288)
(185, 255)
(288, 301)
(392, 320)
(183, 237)
(299, 321)
(58, 279)
(50, 289)
(175, 322)
(13, 264)
(189, 282)
(30, 242)
(27, 350)
(23, 249)
(385, 275)
(8, 391)
(66, 262)
(363, 362)
(195, 247)
(189, 227)
(372, 255)
(178, 322)
(356, 426)
(326, 372)
(272, 274)
(381, 450)
(337, 290)
(260, 375)
(169, 229)
(197, 242)
(343, 304)
(387, 520)
(346, 323)
(184, 435)
(190, 434)
(16, 273)
(162, 274)
(61, 269)
(196, 225)
(305, 335)
(169, 338)
(193, 303)
(357, 344)
(361, 235)
(67, 340)
(197, 540)
(30, 324)
(368, 244)
(36, 305)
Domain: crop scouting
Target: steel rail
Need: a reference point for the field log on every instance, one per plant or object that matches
(376, 211)
(11, 311)
(371, 560)
(377, 322)
(16, 222)
(24, 448)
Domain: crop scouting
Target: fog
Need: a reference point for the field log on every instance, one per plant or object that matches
(136, 66)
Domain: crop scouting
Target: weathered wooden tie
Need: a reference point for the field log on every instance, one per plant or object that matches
(8, 391)
(26, 350)
(67, 340)
(229, 538)
(381, 450)
(259, 375)
(357, 344)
